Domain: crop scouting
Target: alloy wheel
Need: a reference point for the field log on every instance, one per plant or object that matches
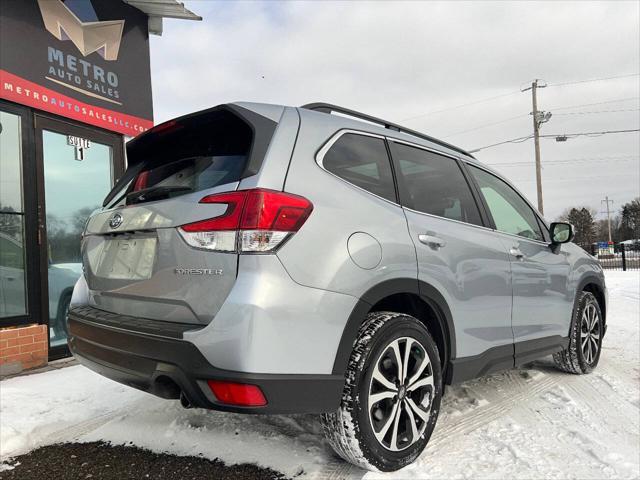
(590, 333)
(400, 394)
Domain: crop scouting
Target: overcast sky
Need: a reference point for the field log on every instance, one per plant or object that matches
(412, 62)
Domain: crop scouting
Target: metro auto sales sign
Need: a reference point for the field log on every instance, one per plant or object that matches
(87, 60)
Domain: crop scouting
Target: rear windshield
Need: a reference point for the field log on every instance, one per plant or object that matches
(193, 154)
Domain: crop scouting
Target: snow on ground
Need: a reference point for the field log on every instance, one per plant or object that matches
(533, 422)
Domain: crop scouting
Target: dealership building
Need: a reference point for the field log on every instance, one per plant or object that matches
(75, 84)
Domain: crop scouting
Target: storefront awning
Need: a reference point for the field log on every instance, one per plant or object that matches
(156, 10)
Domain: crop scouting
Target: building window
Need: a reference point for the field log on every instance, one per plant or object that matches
(13, 292)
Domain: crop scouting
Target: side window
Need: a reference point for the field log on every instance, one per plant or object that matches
(363, 161)
(510, 212)
(434, 184)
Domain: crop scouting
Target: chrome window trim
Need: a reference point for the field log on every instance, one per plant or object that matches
(319, 158)
(422, 147)
(334, 138)
(531, 240)
(449, 219)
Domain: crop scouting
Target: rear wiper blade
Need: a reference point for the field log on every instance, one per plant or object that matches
(154, 192)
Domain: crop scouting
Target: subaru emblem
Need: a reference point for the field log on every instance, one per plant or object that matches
(115, 221)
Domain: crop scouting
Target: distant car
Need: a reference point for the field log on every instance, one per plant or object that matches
(270, 259)
(632, 244)
(62, 278)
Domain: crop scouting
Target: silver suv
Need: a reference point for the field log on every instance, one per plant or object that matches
(268, 259)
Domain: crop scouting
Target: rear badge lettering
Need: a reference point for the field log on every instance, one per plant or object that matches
(199, 271)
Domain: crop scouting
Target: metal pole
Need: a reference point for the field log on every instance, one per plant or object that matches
(536, 139)
(606, 199)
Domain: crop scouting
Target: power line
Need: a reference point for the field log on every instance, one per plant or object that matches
(569, 161)
(487, 99)
(618, 100)
(514, 140)
(600, 111)
(485, 126)
(567, 180)
(460, 106)
(590, 134)
(592, 80)
(524, 139)
(479, 127)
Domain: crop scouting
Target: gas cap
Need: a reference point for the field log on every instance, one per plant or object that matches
(364, 250)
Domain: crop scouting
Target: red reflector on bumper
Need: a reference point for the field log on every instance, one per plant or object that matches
(241, 394)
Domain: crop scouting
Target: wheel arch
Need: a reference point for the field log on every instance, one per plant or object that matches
(595, 285)
(67, 292)
(404, 295)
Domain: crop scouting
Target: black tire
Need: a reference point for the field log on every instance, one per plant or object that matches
(61, 328)
(576, 358)
(350, 430)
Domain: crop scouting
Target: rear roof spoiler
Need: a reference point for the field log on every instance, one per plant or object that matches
(329, 108)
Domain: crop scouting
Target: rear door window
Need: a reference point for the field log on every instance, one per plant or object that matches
(363, 161)
(434, 184)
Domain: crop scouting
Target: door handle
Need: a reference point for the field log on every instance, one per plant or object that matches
(432, 241)
(515, 251)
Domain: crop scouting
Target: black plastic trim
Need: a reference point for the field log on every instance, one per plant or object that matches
(426, 292)
(595, 279)
(167, 366)
(503, 357)
(529, 350)
(133, 324)
(492, 360)
(487, 219)
(457, 369)
(263, 131)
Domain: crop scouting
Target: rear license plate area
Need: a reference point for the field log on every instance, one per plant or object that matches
(125, 258)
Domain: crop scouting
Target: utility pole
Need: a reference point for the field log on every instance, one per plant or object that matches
(607, 201)
(539, 117)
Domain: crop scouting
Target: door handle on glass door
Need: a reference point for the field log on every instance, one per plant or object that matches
(515, 251)
(432, 241)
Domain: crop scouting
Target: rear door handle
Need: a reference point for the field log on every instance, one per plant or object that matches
(516, 253)
(432, 241)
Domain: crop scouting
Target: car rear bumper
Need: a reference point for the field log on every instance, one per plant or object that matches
(159, 361)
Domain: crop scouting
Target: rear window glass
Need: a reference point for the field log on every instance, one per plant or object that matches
(363, 161)
(191, 155)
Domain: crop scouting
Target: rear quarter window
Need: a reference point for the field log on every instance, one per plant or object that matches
(363, 161)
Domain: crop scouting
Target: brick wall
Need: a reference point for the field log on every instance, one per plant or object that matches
(22, 348)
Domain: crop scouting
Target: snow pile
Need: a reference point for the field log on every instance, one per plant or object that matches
(534, 422)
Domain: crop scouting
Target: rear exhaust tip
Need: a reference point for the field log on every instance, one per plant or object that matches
(184, 401)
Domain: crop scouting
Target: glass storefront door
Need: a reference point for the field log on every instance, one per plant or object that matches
(78, 169)
(75, 183)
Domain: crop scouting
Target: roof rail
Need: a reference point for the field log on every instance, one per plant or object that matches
(328, 108)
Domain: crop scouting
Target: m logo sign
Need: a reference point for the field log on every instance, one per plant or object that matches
(88, 35)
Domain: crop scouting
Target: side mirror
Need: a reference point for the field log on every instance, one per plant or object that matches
(561, 232)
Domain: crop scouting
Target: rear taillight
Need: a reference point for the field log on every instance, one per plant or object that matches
(255, 221)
